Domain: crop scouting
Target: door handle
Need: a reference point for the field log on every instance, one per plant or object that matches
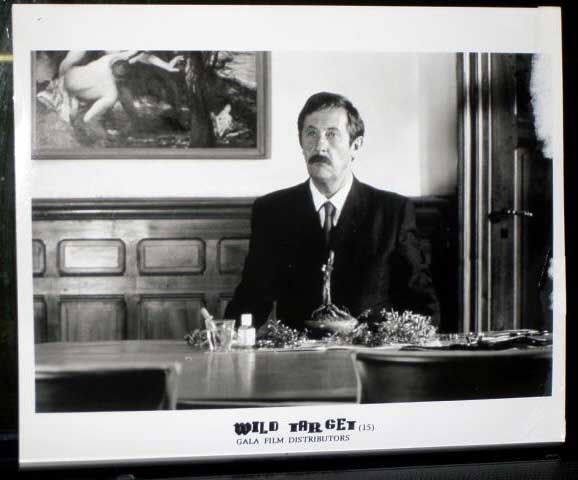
(499, 215)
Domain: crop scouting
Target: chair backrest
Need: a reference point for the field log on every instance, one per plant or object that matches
(101, 388)
(425, 376)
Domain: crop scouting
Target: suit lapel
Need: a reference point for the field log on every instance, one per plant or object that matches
(307, 226)
(307, 223)
(354, 210)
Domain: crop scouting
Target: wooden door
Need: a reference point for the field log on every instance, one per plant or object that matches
(506, 197)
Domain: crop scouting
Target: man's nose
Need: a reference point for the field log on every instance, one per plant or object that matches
(322, 142)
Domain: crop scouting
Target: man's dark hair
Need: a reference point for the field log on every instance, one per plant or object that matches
(323, 100)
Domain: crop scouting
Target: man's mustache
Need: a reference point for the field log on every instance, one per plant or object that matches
(318, 158)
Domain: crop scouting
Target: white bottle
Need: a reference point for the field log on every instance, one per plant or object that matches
(246, 335)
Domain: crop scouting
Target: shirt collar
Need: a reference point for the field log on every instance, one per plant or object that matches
(338, 199)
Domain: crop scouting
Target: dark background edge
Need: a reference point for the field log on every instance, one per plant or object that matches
(554, 461)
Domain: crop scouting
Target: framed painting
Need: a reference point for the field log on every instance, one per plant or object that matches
(112, 104)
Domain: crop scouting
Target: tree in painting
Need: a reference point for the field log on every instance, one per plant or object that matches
(214, 92)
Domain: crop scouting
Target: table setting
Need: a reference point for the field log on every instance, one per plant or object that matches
(382, 355)
(333, 327)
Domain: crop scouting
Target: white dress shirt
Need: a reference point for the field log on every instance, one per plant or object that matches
(338, 200)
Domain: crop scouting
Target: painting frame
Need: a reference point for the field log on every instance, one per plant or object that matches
(261, 150)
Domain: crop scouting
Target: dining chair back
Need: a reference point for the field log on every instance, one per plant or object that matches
(100, 388)
(425, 376)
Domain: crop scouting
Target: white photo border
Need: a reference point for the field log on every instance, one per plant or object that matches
(172, 436)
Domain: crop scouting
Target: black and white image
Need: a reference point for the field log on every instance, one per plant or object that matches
(106, 104)
(241, 245)
(326, 268)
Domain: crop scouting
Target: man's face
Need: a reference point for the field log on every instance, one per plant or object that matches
(326, 145)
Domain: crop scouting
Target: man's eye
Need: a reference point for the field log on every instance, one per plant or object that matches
(310, 133)
(332, 134)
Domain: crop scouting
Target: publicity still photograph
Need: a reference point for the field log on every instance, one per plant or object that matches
(247, 229)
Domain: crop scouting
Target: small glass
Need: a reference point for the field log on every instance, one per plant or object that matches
(220, 333)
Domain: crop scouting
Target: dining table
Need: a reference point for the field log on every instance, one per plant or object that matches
(235, 378)
(319, 374)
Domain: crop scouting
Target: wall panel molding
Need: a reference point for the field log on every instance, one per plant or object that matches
(97, 208)
(92, 318)
(151, 264)
(91, 257)
(171, 256)
(167, 208)
(231, 254)
(38, 257)
(166, 316)
(40, 320)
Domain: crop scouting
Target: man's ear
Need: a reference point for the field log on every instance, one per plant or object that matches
(357, 143)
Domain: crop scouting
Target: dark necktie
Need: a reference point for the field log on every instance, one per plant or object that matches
(328, 223)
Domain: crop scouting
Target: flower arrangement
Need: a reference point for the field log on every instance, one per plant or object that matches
(391, 327)
(275, 334)
(375, 329)
(198, 338)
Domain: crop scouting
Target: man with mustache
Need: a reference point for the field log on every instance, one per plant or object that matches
(378, 262)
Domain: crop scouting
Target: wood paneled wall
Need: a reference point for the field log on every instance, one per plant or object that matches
(142, 269)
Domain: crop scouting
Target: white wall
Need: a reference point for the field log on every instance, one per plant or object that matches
(408, 102)
(438, 127)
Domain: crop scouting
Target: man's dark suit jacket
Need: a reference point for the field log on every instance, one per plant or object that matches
(378, 258)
